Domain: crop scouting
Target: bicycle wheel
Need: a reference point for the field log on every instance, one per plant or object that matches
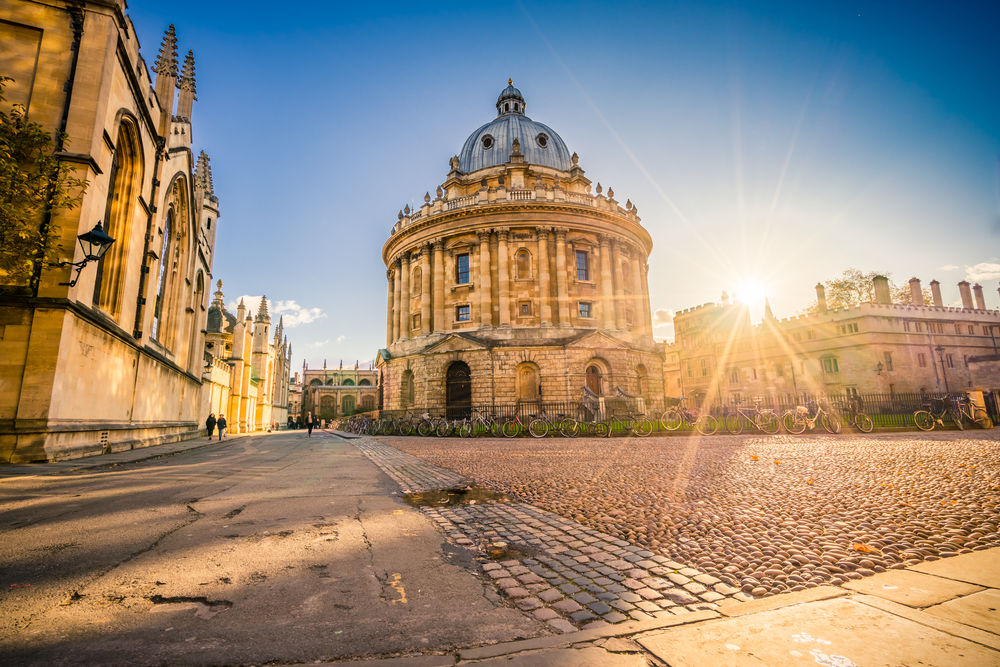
(793, 422)
(982, 418)
(569, 427)
(464, 430)
(496, 428)
(831, 422)
(642, 427)
(671, 419)
(510, 428)
(443, 429)
(958, 418)
(864, 422)
(425, 427)
(706, 424)
(769, 422)
(734, 424)
(407, 428)
(923, 420)
(538, 427)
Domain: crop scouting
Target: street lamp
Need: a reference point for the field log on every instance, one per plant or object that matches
(94, 244)
(944, 373)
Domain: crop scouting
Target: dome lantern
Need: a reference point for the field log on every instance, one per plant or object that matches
(510, 101)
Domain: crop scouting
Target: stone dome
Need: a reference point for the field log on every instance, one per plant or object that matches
(490, 145)
(220, 320)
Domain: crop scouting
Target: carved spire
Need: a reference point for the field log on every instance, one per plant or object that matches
(262, 314)
(203, 174)
(186, 80)
(166, 61)
(218, 299)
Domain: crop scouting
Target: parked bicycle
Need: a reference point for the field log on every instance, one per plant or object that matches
(543, 425)
(858, 417)
(798, 419)
(959, 408)
(630, 423)
(762, 419)
(679, 415)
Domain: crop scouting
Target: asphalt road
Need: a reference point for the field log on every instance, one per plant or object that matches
(271, 549)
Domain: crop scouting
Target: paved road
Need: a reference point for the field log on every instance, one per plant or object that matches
(278, 548)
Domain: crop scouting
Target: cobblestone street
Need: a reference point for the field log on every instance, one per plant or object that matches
(756, 515)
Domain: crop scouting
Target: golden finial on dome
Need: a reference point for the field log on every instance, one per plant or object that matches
(510, 82)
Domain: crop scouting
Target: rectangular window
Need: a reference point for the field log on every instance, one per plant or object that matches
(852, 391)
(524, 308)
(734, 376)
(754, 371)
(704, 368)
(958, 328)
(779, 370)
(582, 265)
(921, 360)
(830, 365)
(690, 372)
(462, 269)
(906, 325)
(972, 329)
(916, 326)
(950, 360)
(888, 361)
(462, 313)
(416, 323)
(585, 309)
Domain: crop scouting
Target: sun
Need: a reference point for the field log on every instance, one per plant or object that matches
(751, 292)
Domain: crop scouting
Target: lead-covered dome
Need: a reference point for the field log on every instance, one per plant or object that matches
(491, 144)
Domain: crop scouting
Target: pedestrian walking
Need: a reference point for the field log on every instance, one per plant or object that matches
(222, 426)
(309, 424)
(210, 424)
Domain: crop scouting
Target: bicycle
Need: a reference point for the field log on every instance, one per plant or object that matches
(958, 408)
(675, 417)
(762, 419)
(631, 423)
(860, 419)
(542, 425)
(513, 426)
(482, 422)
(796, 421)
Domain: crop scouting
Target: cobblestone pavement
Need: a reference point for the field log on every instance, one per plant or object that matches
(764, 514)
(566, 574)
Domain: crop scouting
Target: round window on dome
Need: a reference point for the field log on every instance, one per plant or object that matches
(542, 139)
(487, 142)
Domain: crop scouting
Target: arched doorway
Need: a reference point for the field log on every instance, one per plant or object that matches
(594, 379)
(528, 388)
(458, 391)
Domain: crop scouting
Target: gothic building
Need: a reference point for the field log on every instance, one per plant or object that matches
(115, 360)
(337, 392)
(246, 368)
(516, 281)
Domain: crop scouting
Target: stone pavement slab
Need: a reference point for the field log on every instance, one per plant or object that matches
(978, 567)
(912, 588)
(838, 632)
(587, 656)
(980, 610)
(945, 625)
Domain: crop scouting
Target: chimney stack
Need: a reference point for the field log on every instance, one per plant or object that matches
(821, 297)
(936, 294)
(966, 293)
(980, 298)
(916, 294)
(882, 295)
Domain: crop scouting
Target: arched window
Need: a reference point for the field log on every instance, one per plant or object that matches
(364, 382)
(161, 281)
(347, 405)
(316, 382)
(407, 388)
(368, 403)
(522, 264)
(348, 382)
(124, 185)
(528, 385)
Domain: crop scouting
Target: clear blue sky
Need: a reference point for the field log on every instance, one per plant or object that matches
(776, 143)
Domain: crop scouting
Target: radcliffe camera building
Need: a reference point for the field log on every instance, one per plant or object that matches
(114, 361)
(517, 281)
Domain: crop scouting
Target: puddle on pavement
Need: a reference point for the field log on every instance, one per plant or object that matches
(464, 495)
(513, 551)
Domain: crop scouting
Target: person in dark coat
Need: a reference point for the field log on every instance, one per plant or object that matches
(210, 424)
(309, 423)
(222, 426)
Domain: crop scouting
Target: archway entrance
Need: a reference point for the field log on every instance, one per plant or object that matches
(594, 379)
(458, 391)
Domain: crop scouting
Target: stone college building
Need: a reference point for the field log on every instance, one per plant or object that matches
(516, 282)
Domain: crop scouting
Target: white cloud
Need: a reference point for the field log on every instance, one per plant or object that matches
(321, 343)
(340, 339)
(982, 271)
(663, 317)
(949, 267)
(291, 312)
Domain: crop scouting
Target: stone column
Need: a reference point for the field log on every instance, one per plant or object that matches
(503, 277)
(607, 287)
(647, 312)
(389, 278)
(544, 304)
(404, 305)
(425, 288)
(638, 311)
(616, 268)
(439, 319)
(485, 296)
(562, 293)
(396, 301)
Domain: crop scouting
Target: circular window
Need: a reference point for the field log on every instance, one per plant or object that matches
(542, 139)
(487, 142)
